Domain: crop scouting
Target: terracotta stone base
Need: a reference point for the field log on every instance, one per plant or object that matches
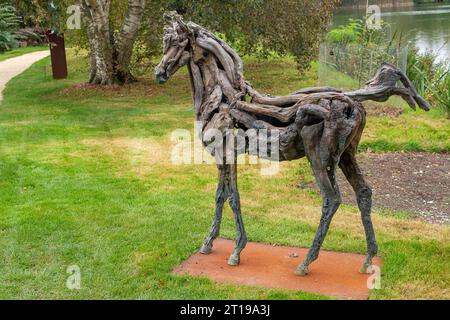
(333, 274)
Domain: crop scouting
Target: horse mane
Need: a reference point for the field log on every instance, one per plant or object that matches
(230, 64)
(227, 56)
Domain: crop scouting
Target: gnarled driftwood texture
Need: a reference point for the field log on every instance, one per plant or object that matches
(325, 124)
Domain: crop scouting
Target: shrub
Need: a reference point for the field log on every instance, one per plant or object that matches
(32, 36)
(431, 78)
(357, 50)
(345, 34)
(440, 91)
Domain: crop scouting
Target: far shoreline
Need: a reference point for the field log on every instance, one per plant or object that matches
(362, 5)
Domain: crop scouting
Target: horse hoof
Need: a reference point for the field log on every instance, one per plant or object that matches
(302, 271)
(366, 269)
(205, 249)
(234, 260)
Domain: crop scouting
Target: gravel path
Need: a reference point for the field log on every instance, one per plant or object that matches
(15, 66)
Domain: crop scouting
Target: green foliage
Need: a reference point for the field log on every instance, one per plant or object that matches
(32, 12)
(11, 32)
(345, 34)
(357, 50)
(255, 27)
(356, 31)
(9, 22)
(293, 27)
(440, 90)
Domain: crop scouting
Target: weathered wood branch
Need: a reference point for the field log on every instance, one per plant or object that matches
(197, 85)
(246, 121)
(284, 115)
(316, 90)
(211, 105)
(280, 101)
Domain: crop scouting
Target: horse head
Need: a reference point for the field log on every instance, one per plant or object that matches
(177, 43)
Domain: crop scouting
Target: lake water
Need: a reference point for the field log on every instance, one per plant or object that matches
(427, 27)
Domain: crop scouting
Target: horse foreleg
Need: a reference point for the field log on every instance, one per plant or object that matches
(221, 196)
(235, 204)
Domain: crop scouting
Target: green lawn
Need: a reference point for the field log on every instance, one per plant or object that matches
(86, 179)
(20, 51)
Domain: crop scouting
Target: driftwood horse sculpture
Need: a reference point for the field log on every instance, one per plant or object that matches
(324, 124)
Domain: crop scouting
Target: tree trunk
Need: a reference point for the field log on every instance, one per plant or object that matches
(110, 56)
(96, 18)
(125, 40)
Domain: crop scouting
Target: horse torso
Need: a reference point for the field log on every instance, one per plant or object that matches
(223, 107)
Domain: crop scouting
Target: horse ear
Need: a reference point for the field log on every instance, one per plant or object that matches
(175, 21)
(182, 24)
(185, 27)
(170, 18)
(167, 16)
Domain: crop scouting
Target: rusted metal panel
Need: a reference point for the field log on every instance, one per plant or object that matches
(58, 55)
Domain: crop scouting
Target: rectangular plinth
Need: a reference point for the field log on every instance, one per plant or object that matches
(332, 274)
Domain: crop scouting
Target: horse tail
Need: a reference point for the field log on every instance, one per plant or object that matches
(384, 85)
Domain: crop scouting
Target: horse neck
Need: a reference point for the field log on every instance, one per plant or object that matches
(206, 76)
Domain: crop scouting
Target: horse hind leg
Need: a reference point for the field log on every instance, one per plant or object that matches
(363, 192)
(325, 177)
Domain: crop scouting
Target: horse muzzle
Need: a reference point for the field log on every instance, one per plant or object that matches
(161, 76)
